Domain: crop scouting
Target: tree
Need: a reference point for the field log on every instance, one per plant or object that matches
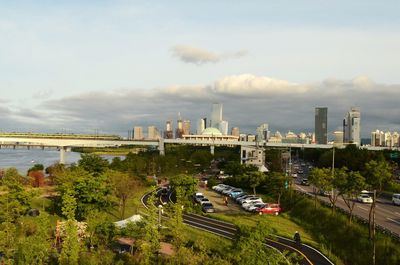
(377, 175)
(276, 182)
(37, 178)
(90, 191)
(70, 248)
(186, 186)
(255, 179)
(93, 163)
(318, 177)
(124, 187)
(350, 185)
(34, 246)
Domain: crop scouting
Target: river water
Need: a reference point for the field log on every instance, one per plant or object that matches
(23, 159)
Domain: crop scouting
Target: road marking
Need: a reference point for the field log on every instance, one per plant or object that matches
(390, 219)
(362, 208)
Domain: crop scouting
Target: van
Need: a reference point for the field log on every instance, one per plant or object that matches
(396, 199)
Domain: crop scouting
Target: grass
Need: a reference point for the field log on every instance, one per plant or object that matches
(280, 224)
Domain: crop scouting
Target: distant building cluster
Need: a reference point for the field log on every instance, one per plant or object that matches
(216, 128)
(385, 139)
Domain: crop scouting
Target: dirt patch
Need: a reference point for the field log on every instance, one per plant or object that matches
(218, 201)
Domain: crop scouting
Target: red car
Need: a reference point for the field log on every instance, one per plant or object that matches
(269, 208)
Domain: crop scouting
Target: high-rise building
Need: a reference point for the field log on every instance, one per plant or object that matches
(321, 124)
(223, 127)
(352, 127)
(201, 125)
(338, 137)
(168, 133)
(152, 133)
(138, 133)
(235, 131)
(186, 127)
(262, 132)
(179, 129)
(216, 115)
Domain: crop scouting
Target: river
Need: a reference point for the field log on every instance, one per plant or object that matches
(23, 159)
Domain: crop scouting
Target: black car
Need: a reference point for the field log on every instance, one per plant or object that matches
(207, 207)
(305, 182)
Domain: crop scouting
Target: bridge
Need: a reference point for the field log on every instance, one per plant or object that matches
(65, 144)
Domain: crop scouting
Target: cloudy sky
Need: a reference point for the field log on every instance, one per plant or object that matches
(106, 66)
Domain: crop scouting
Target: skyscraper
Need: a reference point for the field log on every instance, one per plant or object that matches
(321, 124)
(179, 129)
(201, 125)
(152, 133)
(168, 133)
(262, 132)
(216, 115)
(235, 131)
(352, 127)
(186, 127)
(138, 133)
(223, 127)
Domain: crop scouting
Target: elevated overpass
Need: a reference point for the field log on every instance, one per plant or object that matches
(64, 144)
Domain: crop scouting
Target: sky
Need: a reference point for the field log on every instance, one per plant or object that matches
(106, 66)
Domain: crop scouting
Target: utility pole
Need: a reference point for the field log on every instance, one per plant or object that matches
(373, 229)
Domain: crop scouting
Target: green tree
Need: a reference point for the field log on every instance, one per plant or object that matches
(124, 187)
(350, 185)
(276, 183)
(91, 192)
(93, 163)
(151, 236)
(186, 186)
(255, 179)
(377, 174)
(70, 247)
(320, 179)
(34, 246)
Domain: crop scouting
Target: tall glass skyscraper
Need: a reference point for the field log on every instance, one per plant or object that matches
(216, 115)
(352, 127)
(321, 124)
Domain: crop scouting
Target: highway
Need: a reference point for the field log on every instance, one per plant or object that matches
(310, 256)
(386, 215)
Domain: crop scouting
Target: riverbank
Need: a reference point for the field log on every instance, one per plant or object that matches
(109, 151)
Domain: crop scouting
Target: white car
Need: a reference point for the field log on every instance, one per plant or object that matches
(364, 198)
(253, 199)
(253, 206)
(204, 200)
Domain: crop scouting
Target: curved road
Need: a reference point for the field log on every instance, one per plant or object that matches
(310, 256)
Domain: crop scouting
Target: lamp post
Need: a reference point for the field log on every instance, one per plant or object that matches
(159, 215)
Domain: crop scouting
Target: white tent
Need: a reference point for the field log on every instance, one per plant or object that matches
(133, 219)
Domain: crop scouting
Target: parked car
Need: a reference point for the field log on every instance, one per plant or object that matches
(364, 198)
(207, 207)
(252, 199)
(204, 200)
(251, 207)
(270, 208)
(240, 201)
(241, 196)
(198, 197)
(236, 195)
(396, 199)
(305, 182)
(227, 190)
(218, 187)
(325, 193)
(234, 192)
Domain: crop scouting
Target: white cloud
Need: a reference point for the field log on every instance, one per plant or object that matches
(248, 84)
(189, 54)
(249, 100)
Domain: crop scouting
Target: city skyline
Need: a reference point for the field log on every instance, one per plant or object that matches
(79, 67)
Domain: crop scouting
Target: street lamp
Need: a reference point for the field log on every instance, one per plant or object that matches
(160, 211)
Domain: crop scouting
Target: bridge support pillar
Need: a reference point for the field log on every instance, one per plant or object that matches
(161, 147)
(212, 147)
(62, 155)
